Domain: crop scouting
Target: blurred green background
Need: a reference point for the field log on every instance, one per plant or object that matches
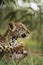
(30, 13)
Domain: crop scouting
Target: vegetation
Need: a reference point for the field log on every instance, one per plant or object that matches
(29, 60)
(12, 11)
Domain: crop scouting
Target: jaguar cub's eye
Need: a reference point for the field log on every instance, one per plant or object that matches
(23, 35)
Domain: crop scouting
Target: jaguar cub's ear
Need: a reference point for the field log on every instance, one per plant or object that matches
(10, 26)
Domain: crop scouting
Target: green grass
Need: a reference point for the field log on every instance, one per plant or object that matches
(29, 60)
(30, 44)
